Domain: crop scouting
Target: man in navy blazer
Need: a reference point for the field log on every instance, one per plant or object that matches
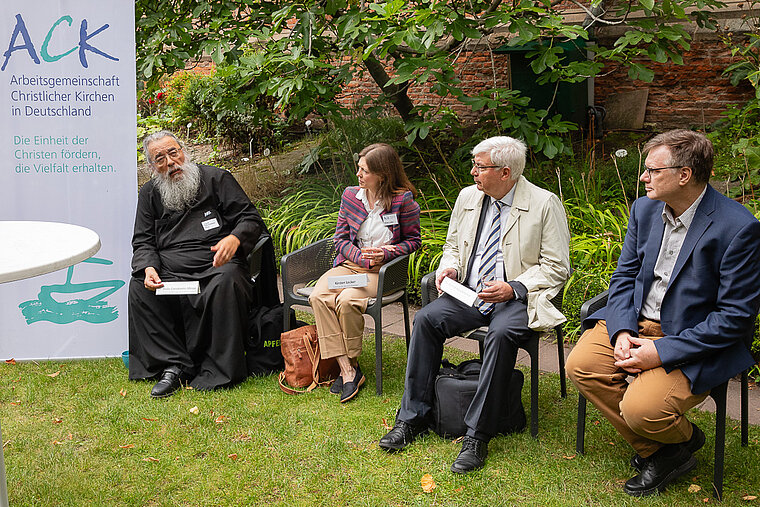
(681, 310)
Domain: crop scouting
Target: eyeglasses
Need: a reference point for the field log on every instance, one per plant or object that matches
(480, 167)
(162, 158)
(653, 170)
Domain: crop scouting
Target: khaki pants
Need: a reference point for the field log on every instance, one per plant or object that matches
(338, 312)
(647, 413)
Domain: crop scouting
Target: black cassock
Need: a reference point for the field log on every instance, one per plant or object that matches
(203, 334)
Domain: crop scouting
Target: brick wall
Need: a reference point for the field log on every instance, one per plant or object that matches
(477, 70)
(692, 94)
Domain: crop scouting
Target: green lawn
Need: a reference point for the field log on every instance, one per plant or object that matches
(79, 433)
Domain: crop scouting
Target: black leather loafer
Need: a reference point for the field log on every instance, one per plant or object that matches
(337, 386)
(351, 389)
(171, 380)
(694, 444)
(401, 435)
(660, 469)
(471, 457)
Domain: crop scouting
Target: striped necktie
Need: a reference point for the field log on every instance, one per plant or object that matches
(487, 270)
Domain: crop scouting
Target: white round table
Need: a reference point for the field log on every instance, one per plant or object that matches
(34, 248)
(29, 249)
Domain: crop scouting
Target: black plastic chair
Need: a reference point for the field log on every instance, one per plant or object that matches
(430, 293)
(303, 267)
(255, 262)
(718, 394)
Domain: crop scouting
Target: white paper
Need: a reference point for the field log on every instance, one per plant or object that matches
(345, 281)
(177, 288)
(459, 291)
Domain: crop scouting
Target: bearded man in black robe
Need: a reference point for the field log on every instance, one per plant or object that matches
(193, 223)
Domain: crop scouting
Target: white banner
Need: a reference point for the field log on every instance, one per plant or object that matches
(67, 145)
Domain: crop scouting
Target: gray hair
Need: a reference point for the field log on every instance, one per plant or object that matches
(504, 152)
(156, 136)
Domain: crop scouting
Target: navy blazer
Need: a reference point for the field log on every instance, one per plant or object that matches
(709, 308)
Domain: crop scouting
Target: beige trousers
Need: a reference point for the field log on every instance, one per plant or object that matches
(647, 413)
(338, 312)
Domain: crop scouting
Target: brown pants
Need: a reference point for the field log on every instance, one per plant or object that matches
(338, 312)
(647, 413)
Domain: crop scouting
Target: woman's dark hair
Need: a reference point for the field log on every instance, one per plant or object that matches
(382, 160)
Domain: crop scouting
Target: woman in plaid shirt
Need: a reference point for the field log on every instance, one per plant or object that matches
(378, 221)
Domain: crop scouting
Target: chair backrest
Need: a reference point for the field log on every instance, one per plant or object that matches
(307, 264)
(256, 256)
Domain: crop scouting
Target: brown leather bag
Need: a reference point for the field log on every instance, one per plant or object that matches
(303, 364)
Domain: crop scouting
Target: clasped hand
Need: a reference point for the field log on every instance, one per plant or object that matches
(634, 354)
(376, 255)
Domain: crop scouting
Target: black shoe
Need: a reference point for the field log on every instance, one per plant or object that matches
(171, 380)
(694, 444)
(471, 457)
(351, 389)
(401, 435)
(660, 469)
(337, 386)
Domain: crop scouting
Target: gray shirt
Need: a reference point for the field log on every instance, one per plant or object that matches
(672, 240)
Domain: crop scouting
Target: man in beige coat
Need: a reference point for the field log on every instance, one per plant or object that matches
(508, 241)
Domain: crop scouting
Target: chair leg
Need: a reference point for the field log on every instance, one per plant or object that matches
(719, 395)
(532, 348)
(580, 435)
(378, 353)
(285, 317)
(745, 408)
(561, 359)
(407, 326)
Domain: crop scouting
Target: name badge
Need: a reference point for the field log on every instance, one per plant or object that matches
(390, 219)
(211, 223)
(345, 281)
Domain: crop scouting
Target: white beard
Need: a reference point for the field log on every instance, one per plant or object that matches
(180, 193)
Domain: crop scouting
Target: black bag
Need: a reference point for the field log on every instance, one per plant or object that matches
(455, 388)
(262, 348)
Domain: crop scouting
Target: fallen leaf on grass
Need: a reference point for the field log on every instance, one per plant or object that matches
(10, 361)
(569, 457)
(232, 456)
(749, 498)
(220, 419)
(705, 500)
(54, 375)
(70, 436)
(596, 422)
(386, 425)
(56, 442)
(695, 488)
(428, 484)
(195, 410)
(123, 392)
(57, 420)
(146, 419)
(6, 443)
(150, 458)
(17, 402)
(126, 446)
(459, 489)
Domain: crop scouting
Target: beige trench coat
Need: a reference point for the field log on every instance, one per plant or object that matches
(535, 243)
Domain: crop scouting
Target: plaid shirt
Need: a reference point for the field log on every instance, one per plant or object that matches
(406, 233)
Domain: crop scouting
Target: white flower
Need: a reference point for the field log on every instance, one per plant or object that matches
(308, 123)
(245, 159)
(621, 153)
(189, 125)
(266, 152)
